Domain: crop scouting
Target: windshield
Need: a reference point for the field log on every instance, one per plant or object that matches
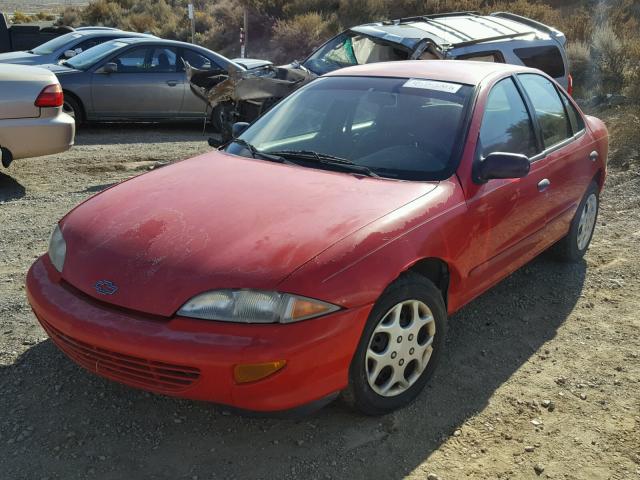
(396, 127)
(57, 43)
(350, 48)
(90, 57)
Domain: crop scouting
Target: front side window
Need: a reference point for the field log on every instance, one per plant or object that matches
(351, 48)
(506, 125)
(163, 60)
(132, 61)
(47, 48)
(549, 109)
(90, 43)
(397, 128)
(198, 61)
(548, 59)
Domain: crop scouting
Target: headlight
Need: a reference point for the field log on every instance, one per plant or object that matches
(57, 249)
(251, 306)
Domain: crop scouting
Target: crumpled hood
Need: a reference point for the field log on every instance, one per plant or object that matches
(19, 58)
(215, 221)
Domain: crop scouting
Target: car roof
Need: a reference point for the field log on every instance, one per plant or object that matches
(107, 33)
(456, 28)
(156, 41)
(459, 71)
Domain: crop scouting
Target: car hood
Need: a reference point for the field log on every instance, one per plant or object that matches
(20, 58)
(216, 221)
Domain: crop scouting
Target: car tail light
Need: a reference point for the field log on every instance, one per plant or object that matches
(570, 85)
(50, 96)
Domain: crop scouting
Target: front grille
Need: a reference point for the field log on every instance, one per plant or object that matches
(134, 371)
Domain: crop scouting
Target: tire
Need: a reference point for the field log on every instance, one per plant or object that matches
(222, 119)
(413, 342)
(575, 244)
(72, 107)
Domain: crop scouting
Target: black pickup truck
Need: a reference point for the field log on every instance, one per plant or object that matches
(26, 37)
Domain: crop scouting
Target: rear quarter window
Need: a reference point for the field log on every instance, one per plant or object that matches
(546, 58)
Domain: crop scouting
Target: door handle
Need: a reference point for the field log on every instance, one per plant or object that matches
(593, 156)
(543, 184)
(172, 83)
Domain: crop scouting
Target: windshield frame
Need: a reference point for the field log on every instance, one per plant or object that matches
(91, 52)
(459, 143)
(68, 44)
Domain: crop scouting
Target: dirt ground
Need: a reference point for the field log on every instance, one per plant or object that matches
(541, 377)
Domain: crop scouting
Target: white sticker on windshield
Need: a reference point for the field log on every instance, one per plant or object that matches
(432, 85)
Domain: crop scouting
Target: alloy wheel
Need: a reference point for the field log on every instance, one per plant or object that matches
(587, 221)
(400, 348)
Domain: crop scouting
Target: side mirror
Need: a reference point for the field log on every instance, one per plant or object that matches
(238, 128)
(69, 54)
(501, 165)
(110, 67)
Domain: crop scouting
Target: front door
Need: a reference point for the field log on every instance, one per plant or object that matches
(146, 85)
(193, 106)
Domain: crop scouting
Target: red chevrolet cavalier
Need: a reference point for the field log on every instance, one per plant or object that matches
(322, 250)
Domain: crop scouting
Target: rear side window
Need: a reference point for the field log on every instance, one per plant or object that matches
(548, 59)
(506, 125)
(577, 124)
(494, 57)
(549, 109)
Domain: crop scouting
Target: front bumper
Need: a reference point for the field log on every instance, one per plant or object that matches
(195, 358)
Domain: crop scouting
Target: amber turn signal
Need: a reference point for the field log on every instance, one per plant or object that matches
(256, 371)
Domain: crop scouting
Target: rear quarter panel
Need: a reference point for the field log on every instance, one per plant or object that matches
(19, 88)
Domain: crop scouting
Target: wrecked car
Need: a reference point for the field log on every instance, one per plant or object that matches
(499, 37)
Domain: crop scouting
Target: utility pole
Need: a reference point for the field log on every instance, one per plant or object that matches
(245, 34)
(192, 17)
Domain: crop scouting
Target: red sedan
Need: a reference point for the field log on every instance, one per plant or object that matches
(322, 250)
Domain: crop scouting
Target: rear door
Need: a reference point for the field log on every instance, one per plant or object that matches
(507, 217)
(147, 85)
(567, 151)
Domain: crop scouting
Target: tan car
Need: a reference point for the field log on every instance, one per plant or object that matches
(32, 122)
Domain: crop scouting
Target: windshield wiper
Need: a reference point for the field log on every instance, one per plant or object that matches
(255, 153)
(327, 159)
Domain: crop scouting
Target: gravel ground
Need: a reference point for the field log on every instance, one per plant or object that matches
(540, 379)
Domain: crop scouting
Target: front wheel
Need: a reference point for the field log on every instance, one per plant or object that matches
(573, 247)
(72, 108)
(400, 345)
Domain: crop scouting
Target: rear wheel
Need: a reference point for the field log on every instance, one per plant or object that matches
(399, 347)
(573, 247)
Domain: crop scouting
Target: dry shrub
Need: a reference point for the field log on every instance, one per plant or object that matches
(295, 38)
(580, 67)
(609, 56)
(632, 72)
(20, 17)
(103, 12)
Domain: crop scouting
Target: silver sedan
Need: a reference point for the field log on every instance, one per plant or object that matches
(137, 79)
(32, 122)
